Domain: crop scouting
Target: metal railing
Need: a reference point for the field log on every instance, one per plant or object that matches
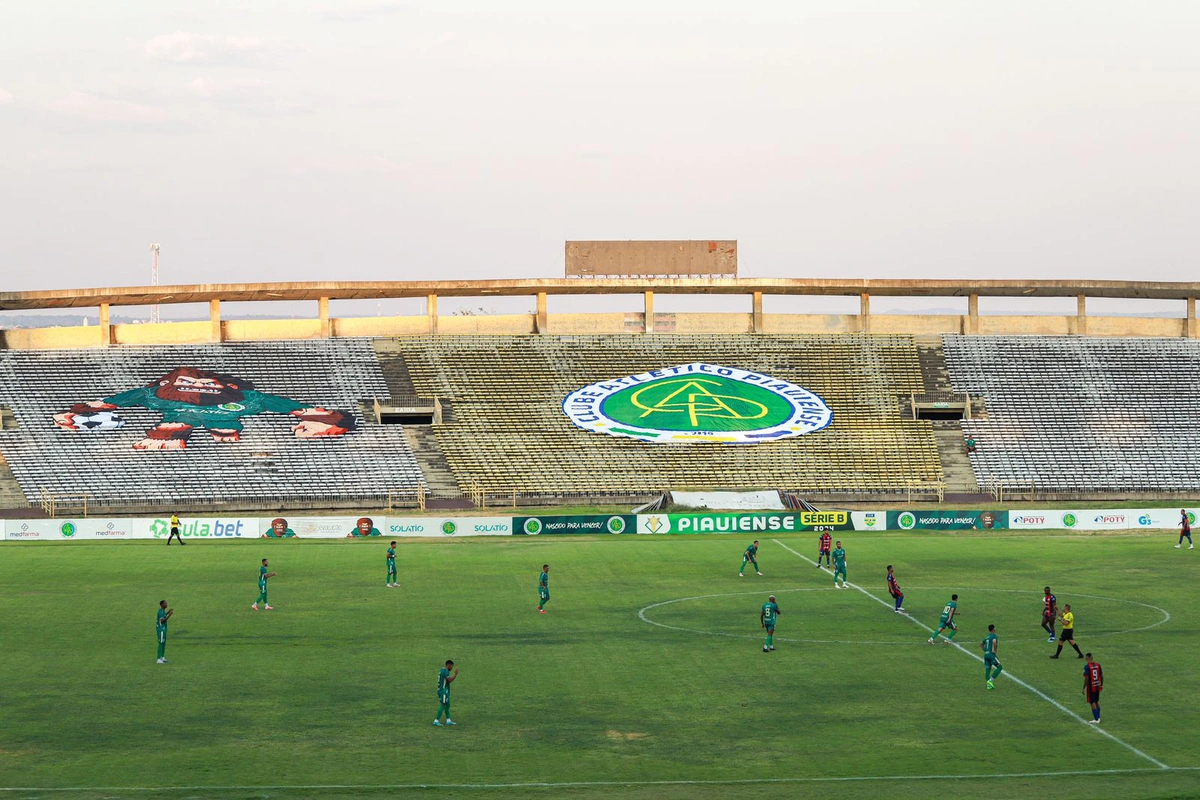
(66, 504)
(418, 496)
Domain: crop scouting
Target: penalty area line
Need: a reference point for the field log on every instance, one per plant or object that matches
(333, 787)
(1011, 677)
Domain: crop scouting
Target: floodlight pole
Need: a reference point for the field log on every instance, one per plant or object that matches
(154, 248)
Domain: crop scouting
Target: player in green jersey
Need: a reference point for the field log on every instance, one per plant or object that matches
(263, 576)
(543, 589)
(750, 557)
(990, 644)
(160, 627)
(770, 612)
(445, 678)
(839, 566)
(392, 580)
(947, 621)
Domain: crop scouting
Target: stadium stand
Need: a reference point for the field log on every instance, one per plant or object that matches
(507, 431)
(1076, 414)
(269, 465)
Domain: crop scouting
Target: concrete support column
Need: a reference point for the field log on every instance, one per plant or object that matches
(758, 312)
(1189, 328)
(105, 325)
(864, 313)
(973, 313)
(1081, 315)
(323, 314)
(542, 322)
(214, 316)
(431, 312)
(649, 299)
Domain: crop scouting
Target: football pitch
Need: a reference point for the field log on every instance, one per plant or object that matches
(646, 678)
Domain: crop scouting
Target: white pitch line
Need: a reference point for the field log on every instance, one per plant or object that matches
(1011, 677)
(595, 784)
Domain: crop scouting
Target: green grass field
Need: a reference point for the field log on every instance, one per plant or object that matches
(648, 668)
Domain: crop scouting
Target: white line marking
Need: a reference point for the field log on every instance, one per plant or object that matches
(587, 784)
(1011, 677)
(1166, 614)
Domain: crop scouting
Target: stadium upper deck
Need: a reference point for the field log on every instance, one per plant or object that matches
(750, 320)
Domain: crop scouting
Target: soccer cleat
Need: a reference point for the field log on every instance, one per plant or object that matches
(270, 608)
(541, 611)
(1079, 656)
(991, 685)
(1191, 547)
(760, 574)
(931, 641)
(1054, 656)
(161, 661)
(1093, 722)
(1051, 639)
(449, 721)
(772, 647)
(1178, 546)
(740, 575)
(435, 722)
(164, 661)
(255, 606)
(764, 648)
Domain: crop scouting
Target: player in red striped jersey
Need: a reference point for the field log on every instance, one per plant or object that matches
(823, 549)
(1093, 683)
(894, 591)
(1049, 613)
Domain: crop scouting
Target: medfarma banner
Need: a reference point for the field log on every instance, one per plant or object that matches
(698, 403)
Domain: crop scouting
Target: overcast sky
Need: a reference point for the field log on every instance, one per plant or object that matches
(383, 139)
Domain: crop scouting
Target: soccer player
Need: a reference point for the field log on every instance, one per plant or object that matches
(1049, 613)
(1093, 683)
(160, 626)
(543, 588)
(174, 534)
(823, 549)
(990, 645)
(947, 620)
(392, 580)
(1068, 632)
(770, 612)
(263, 576)
(894, 590)
(443, 691)
(1185, 529)
(750, 558)
(839, 566)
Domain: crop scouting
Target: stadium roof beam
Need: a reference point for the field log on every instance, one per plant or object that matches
(378, 290)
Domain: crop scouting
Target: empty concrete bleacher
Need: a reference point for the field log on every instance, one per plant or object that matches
(269, 465)
(508, 430)
(1079, 414)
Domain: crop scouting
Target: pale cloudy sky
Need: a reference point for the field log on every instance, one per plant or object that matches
(381, 139)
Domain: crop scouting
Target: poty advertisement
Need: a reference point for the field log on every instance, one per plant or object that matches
(349, 527)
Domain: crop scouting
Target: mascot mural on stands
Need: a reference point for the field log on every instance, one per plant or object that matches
(192, 398)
